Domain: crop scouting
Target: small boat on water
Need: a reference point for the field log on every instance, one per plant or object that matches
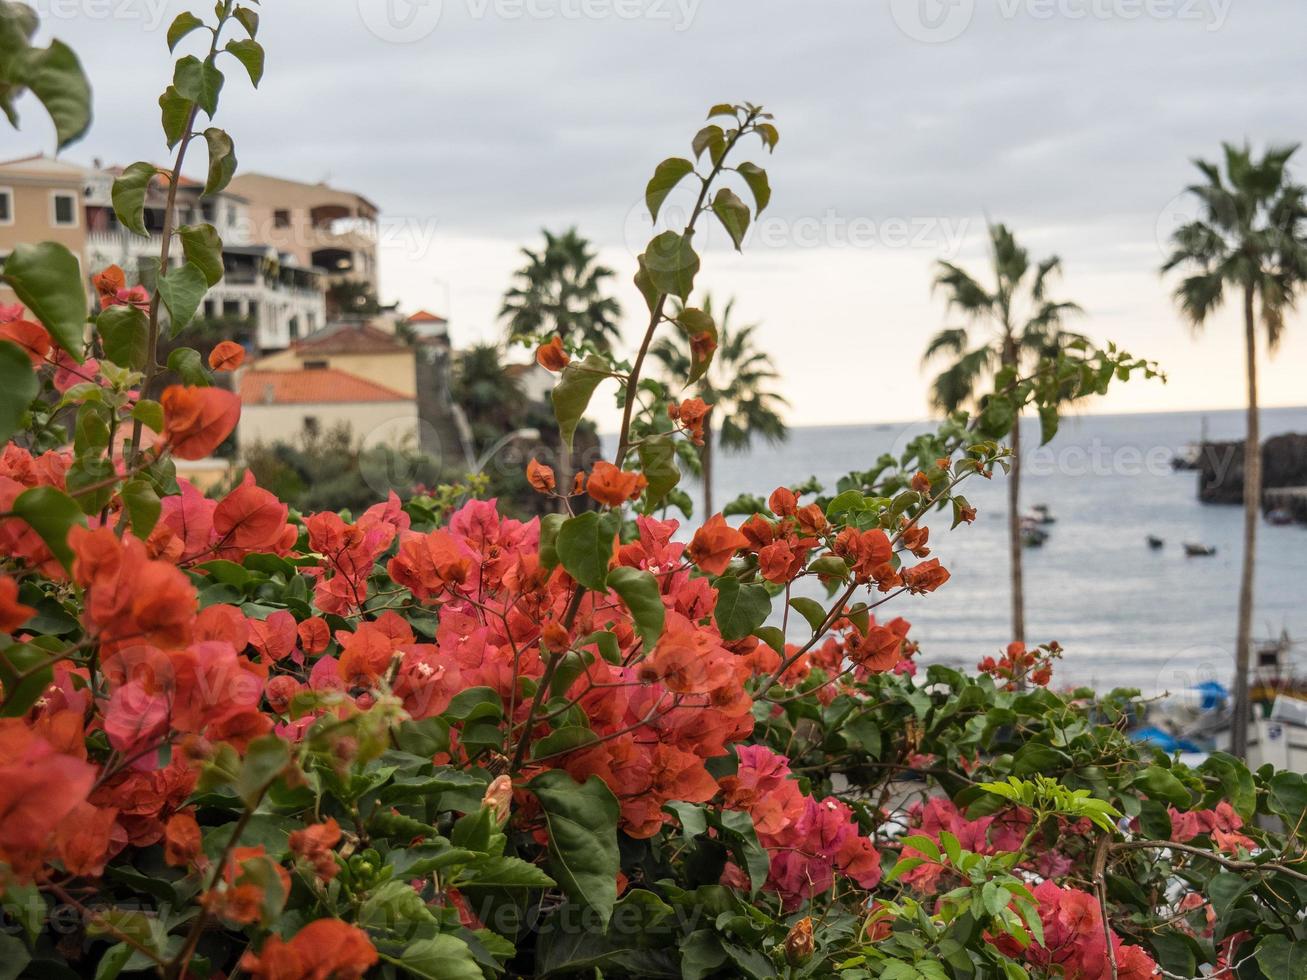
(1032, 535)
(1042, 515)
(1279, 517)
(1199, 550)
(1155, 542)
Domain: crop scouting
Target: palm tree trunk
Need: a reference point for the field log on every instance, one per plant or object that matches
(705, 457)
(1252, 502)
(1014, 517)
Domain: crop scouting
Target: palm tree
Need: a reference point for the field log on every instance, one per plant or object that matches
(1022, 325)
(1250, 238)
(736, 388)
(561, 290)
(489, 396)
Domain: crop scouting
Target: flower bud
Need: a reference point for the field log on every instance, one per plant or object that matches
(499, 794)
(799, 946)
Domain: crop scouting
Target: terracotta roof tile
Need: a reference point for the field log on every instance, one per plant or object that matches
(425, 316)
(313, 386)
(350, 339)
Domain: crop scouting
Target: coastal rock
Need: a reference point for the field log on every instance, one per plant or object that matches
(1220, 467)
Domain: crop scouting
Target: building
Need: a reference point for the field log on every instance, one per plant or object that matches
(358, 349)
(286, 405)
(40, 201)
(266, 297)
(330, 229)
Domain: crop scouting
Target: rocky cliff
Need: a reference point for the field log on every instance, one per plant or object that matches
(1220, 467)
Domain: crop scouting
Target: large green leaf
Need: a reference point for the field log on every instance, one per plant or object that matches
(1161, 784)
(741, 609)
(585, 547)
(125, 333)
(182, 289)
(14, 957)
(581, 820)
(658, 463)
(175, 115)
(441, 958)
(572, 394)
(18, 386)
(250, 54)
(51, 513)
(203, 249)
(733, 213)
(639, 591)
(1280, 958)
(756, 178)
(128, 194)
(47, 279)
(1287, 799)
(182, 24)
(55, 77)
(222, 160)
(25, 671)
(199, 81)
(666, 176)
(671, 264)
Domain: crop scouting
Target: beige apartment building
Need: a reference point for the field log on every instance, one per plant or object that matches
(334, 230)
(41, 201)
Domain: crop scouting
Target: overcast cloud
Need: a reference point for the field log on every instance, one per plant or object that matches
(904, 123)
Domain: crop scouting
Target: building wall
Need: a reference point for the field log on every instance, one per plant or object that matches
(373, 423)
(32, 219)
(395, 371)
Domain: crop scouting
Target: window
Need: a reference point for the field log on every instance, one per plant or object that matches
(6, 205)
(64, 209)
(311, 426)
(210, 309)
(294, 327)
(231, 307)
(315, 365)
(231, 216)
(281, 218)
(206, 210)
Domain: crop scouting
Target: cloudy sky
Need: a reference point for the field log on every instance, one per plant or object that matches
(904, 125)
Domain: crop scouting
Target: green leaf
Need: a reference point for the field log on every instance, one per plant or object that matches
(187, 363)
(639, 591)
(26, 671)
(112, 962)
(125, 333)
(658, 463)
(182, 24)
(581, 820)
(1161, 784)
(811, 610)
(1048, 421)
(203, 249)
(250, 54)
(222, 160)
(175, 115)
(14, 957)
(549, 525)
(182, 290)
(199, 81)
(571, 395)
(90, 482)
(585, 546)
(671, 264)
(128, 195)
(18, 386)
(51, 513)
(509, 872)
(47, 279)
(150, 413)
(732, 213)
(143, 506)
(756, 178)
(666, 176)
(440, 958)
(55, 76)
(265, 760)
(249, 20)
(1287, 799)
(1280, 958)
(741, 609)
(711, 138)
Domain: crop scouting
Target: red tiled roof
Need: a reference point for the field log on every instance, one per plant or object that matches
(424, 316)
(313, 386)
(349, 338)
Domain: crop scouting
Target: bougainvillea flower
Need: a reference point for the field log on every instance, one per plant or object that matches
(326, 949)
(612, 486)
(13, 613)
(227, 355)
(715, 544)
(551, 355)
(31, 337)
(197, 420)
(540, 476)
